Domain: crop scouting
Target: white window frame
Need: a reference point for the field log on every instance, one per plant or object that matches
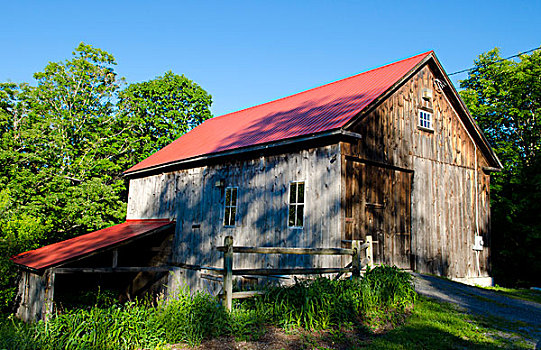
(227, 218)
(296, 204)
(423, 122)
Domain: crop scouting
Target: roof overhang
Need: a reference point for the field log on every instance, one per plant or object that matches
(340, 134)
(60, 253)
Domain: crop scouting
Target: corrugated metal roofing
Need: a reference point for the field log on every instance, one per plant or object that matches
(57, 253)
(313, 111)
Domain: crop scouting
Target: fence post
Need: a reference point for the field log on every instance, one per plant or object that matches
(356, 263)
(228, 273)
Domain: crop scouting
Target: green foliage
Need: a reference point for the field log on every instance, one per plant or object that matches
(161, 110)
(504, 96)
(191, 317)
(65, 142)
(381, 297)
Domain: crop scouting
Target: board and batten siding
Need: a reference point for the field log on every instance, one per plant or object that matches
(446, 168)
(195, 199)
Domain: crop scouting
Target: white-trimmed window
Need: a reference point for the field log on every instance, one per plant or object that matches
(296, 204)
(425, 120)
(230, 210)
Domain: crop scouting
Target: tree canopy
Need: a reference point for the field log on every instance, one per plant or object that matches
(504, 96)
(65, 141)
(163, 109)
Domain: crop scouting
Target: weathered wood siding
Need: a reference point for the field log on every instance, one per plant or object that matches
(152, 197)
(35, 296)
(445, 165)
(262, 217)
(378, 206)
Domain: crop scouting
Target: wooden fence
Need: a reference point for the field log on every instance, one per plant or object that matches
(228, 272)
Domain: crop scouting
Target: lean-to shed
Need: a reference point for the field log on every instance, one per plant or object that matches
(390, 156)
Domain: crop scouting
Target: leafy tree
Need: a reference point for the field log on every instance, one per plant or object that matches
(65, 142)
(161, 110)
(505, 98)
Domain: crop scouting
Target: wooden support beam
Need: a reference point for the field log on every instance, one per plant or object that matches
(245, 294)
(356, 264)
(211, 277)
(378, 164)
(115, 258)
(65, 270)
(228, 273)
(294, 251)
(308, 271)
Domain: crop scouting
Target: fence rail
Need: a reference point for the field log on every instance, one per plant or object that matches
(227, 272)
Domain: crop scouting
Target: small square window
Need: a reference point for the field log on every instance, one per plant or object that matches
(425, 120)
(230, 211)
(296, 204)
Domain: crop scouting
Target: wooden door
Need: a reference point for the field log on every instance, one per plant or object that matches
(378, 208)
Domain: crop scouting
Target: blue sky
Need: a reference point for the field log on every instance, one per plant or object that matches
(249, 52)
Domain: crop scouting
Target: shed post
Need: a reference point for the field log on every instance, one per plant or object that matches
(356, 263)
(228, 273)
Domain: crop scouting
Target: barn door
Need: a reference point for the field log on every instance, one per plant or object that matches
(378, 210)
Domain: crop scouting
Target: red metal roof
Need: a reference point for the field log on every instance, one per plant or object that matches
(313, 111)
(57, 253)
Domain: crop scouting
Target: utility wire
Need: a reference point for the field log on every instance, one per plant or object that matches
(503, 59)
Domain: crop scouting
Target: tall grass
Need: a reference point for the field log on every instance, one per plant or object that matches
(381, 297)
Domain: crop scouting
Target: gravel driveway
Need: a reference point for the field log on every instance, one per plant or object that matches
(524, 314)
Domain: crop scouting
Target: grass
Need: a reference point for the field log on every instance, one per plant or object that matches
(375, 312)
(522, 294)
(432, 325)
(375, 301)
(437, 325)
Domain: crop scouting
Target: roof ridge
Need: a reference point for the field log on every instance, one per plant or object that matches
(320, 86)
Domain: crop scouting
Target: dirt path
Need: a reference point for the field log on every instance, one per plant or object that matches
(524, 314)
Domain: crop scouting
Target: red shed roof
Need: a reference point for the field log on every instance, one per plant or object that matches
(57, 253)
(321, 109)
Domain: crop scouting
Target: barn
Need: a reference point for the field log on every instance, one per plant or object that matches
(390, 157)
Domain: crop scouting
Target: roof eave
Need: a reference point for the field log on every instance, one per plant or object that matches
(94, 252)
(291, 141)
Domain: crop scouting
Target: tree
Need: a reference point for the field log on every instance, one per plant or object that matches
(65, 168)
(504, 96)
(65, 142)
(161, 110)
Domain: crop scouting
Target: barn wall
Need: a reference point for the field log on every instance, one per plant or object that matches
(35, 296)
(263, 187)
(444, 164)
(152, 197)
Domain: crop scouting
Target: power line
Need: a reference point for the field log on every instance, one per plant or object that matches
(503, 59)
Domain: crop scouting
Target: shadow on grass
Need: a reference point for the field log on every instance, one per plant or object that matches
(436, 325)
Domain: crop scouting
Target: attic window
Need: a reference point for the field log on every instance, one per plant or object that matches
(425, 120)
(230, 211)
(296, 204)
